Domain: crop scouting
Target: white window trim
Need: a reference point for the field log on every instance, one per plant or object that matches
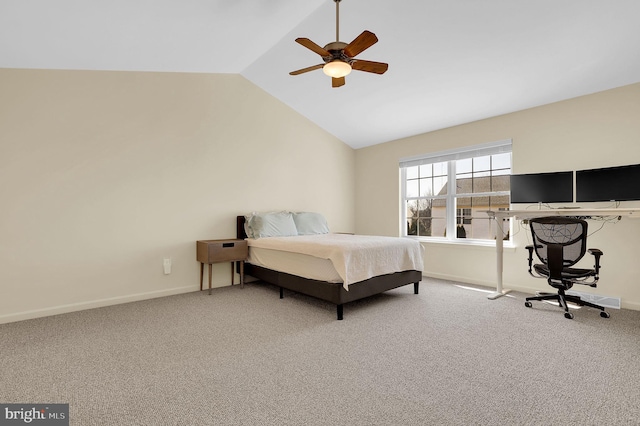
(490, 148)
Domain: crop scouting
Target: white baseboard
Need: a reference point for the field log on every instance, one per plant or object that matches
(73, 307)
(630, 305)
(458, 279)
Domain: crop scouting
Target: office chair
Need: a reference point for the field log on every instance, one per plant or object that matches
(560, 242)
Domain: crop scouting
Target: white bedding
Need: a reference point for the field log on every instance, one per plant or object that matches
(354, 257)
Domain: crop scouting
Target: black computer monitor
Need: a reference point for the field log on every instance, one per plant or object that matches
(556, 187)
(608, 184)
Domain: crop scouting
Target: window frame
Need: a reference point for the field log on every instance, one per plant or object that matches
(451, 213)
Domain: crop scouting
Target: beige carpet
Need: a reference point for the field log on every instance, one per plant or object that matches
(447, 356)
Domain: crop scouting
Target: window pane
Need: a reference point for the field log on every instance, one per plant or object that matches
(475, 220)
(412, 208)
(481, 183)
(500, 183)
(463, 203)
(482, 163)
(472, 220)
(412, 226)
(440, 185)
(412, 172)
(426, 187)
(501, 161)
(438, 227)
(480, 228)
(425, 170)
(424, 227)
(412, 188)
(419, 217)
(424, 207)
(464, 184)
(439, 208)
(464, 166)
(440, 169)
(439, 222)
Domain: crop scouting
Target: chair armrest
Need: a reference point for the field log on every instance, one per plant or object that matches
(530, 249)
(596, 253)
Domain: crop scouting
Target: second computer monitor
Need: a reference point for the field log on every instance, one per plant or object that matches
(556, 187)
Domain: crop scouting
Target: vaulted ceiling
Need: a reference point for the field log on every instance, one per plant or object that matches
(450, 61)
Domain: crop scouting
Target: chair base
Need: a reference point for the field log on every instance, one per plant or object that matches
(561, 298)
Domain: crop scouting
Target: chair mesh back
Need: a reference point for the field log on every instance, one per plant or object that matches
(568, 232)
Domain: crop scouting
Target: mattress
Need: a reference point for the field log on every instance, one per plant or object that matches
(355, 258)
(299, 264)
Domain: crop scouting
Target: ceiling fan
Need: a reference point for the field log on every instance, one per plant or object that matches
(339, 58)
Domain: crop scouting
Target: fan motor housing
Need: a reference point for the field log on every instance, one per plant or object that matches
(336, 45)
(336, 49)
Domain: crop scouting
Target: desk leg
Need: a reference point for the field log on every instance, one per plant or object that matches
(242, 274)
(210, 270)
(500, 233)
(232, 272)
(201, 274)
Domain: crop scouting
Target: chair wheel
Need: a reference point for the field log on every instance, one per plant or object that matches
(568, 315)
(527, 304)
(604, 314)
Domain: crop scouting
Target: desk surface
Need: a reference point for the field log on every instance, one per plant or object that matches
(531, 213)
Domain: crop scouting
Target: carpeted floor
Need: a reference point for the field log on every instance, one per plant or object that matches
(448, 356)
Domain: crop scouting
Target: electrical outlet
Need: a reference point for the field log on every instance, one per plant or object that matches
(167, 265)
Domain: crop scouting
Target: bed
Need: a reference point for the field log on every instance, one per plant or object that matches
(331, 288)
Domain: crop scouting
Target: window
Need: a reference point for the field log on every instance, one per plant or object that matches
(446, 194)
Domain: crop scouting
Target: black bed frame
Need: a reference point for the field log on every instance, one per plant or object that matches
(330, 292)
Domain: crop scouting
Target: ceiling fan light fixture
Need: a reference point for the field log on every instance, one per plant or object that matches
(336, 68)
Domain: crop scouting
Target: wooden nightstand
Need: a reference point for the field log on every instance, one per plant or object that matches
(217, 251)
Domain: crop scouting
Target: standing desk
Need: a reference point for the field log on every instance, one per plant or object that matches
(500, 215)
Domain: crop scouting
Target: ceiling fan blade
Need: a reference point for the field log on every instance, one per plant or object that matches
(364, 41)
(370, 66)
(337, 82)
(307, 69)
(312, 46)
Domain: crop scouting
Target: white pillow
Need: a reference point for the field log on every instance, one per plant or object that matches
(274, 224)
(308, 223)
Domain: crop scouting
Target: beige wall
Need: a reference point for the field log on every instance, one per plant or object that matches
(104, 174)
(598, 130)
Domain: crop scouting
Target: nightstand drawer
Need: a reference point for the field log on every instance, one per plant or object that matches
(214, 251)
